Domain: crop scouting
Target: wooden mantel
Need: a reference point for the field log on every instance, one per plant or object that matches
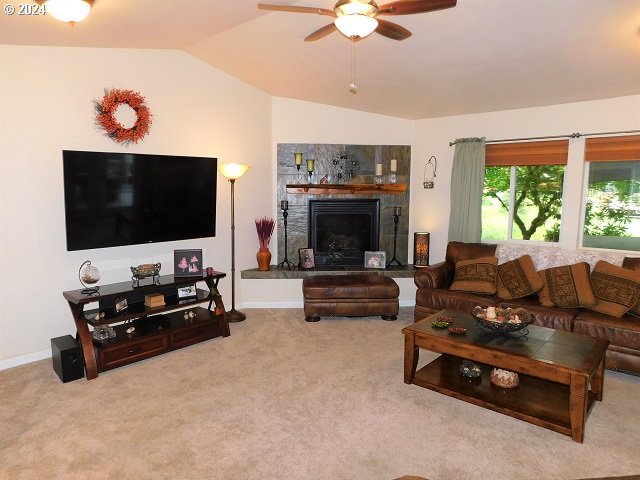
(348, 188)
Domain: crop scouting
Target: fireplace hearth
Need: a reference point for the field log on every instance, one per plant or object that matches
(341, 230)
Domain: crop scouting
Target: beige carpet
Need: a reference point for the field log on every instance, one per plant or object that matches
(285, 399)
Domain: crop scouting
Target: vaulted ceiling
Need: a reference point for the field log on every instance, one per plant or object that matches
(482, 55)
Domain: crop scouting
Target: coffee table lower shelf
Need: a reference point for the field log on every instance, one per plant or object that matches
(534, 400)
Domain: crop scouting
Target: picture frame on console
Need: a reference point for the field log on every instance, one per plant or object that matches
(307, 259)
(187, 292)
(120, 304)
(375, 259)
(187, 263)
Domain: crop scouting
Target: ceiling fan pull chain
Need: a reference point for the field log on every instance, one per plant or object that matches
(353, 88)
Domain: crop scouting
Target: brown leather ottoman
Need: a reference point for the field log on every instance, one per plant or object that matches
(350, 296)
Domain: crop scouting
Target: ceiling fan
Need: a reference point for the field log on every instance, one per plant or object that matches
(358, 18)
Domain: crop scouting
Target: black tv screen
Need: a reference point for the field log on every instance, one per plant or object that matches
(114, 199)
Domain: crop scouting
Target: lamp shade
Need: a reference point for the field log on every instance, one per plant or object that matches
(69, 10)
(232, 171)
(421, 249)
(356, 25)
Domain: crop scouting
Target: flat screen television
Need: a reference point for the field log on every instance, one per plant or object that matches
(115, 199)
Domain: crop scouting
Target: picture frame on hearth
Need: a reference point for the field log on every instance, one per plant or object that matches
(375, 259)
(187, 263)
(188, 291)
(307, 259)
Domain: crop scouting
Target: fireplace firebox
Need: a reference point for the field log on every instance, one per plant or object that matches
(341, 230)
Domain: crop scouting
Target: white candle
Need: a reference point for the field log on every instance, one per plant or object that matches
(394, 165)
(378, 169)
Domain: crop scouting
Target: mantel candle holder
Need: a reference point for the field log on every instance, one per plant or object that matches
(310, 166)
(397, 211)
(393, 169)
(284, 205)
(298, 163)
(378, 178)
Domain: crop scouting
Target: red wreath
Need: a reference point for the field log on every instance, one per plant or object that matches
(106, 120)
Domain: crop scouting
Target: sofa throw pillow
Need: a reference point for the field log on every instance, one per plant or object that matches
(617, 288)
(567, 286)
(517, 278)
(477, 275)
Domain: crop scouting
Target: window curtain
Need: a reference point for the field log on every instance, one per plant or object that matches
(467, 182)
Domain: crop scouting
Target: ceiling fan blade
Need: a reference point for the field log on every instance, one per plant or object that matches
(392, 30)
(288, 8)
(407, 7)
(321, 32)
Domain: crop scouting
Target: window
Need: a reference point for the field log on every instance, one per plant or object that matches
(612, 202)
(523, 185)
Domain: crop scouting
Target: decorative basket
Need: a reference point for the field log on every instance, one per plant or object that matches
(504, 378)
(507, 320)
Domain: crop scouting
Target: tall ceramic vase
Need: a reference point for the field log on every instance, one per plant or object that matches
(264, 259)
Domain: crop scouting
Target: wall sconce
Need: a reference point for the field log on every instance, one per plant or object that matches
(298, 159)
(421, 249)
(430, 173)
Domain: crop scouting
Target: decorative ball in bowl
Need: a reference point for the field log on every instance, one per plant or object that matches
(504, 378)
(503, 319)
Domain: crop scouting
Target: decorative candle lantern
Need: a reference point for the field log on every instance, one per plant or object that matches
(378, 173)
(421, 249)
(430, 172)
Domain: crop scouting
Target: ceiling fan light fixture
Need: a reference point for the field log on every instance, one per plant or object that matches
(356, 25)
(68, 10)
(361, 7)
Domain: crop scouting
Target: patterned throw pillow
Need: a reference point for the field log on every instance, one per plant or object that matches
(567, 286)
(518, 278)
(617, 288)
(477, 275)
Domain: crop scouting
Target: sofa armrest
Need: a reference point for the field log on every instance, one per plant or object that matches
(439, 275)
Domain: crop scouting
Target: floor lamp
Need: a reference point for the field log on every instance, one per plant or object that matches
(233, 171)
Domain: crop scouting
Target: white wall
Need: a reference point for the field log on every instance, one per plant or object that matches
(295, 121)
(430, 208)
(46, 105)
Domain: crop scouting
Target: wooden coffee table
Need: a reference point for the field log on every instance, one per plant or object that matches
(561, 373)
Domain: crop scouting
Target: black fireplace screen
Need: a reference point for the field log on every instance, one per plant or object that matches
(340, 231)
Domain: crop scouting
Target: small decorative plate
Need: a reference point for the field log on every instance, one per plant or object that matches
(440, 324)
(457, 330)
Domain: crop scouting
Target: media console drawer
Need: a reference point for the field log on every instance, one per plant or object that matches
(113, 356)
(194, 334)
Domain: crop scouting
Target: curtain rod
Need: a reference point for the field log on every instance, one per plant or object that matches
(570, 135)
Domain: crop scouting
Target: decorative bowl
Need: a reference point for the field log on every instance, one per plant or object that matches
(504, 378)
(469, 369)
(146, 270)
(505, 319)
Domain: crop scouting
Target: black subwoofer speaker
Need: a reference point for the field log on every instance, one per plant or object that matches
(67, 358)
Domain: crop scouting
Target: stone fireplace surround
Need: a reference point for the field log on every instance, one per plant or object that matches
(342, 164)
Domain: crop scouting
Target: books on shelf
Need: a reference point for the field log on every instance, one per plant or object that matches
(154, 300)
